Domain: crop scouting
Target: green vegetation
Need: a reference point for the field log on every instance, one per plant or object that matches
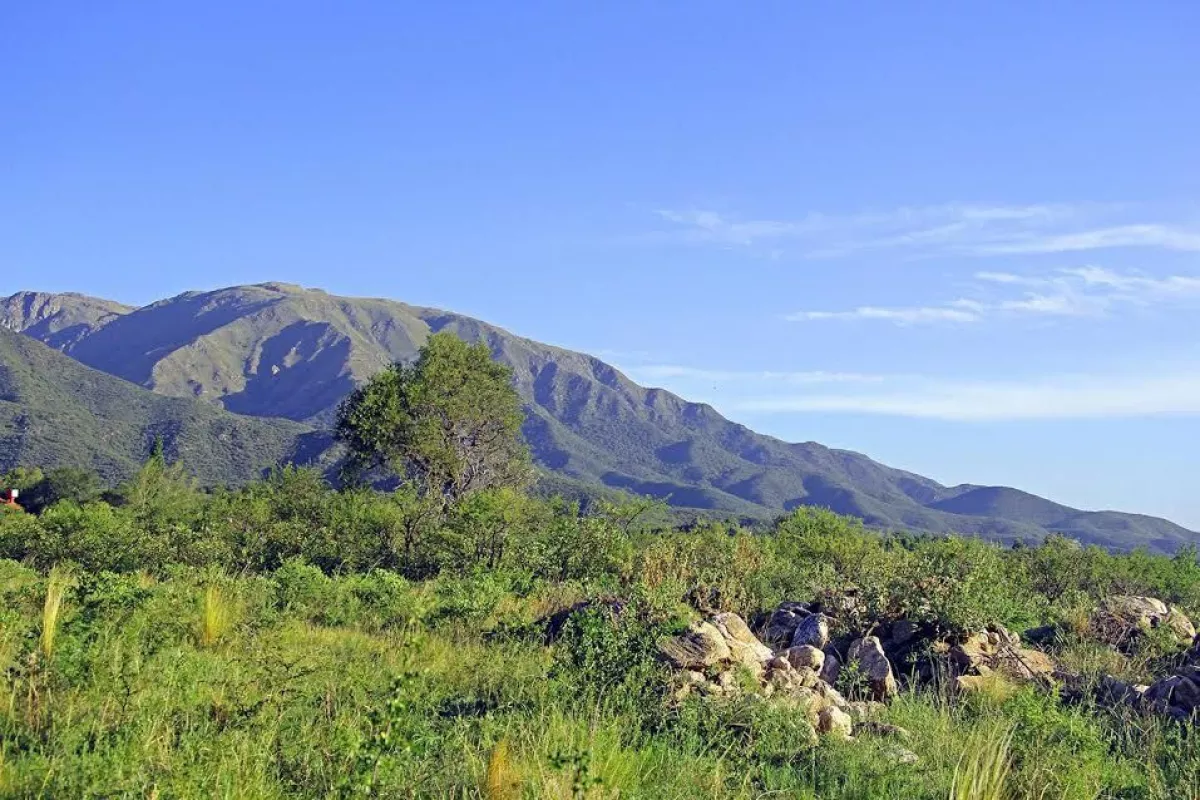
(286, 639)
(461, 637)
(458, 637)
(55, 413)
(449, 424)
(275, 350)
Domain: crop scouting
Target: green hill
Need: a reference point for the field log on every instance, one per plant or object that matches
(277, 350)
(55, 411)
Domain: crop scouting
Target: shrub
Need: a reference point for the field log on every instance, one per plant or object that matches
(610, 658)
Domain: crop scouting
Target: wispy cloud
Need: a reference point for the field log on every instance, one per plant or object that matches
(655, 372)
(1155, 390)
(959, 311)
(944, 230)
(1073, 292)
(1158, 236)
(1063, 397)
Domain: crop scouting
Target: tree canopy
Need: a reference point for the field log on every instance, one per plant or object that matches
(449, 423)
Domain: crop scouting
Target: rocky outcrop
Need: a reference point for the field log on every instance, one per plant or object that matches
(1121, 619)
(798, 663)
(999, 650)
(709, 655)
(867, 656)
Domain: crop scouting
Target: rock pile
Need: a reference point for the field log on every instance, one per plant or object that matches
(1176, 695)
(721, 657)
(1121, 619)
(997, 650)
(803, 654)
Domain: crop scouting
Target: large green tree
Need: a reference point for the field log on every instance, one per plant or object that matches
(449, 423)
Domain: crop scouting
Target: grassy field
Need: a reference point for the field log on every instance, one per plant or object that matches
(201, 685)
(269, 663)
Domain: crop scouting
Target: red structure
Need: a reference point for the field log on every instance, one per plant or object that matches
(8, 499)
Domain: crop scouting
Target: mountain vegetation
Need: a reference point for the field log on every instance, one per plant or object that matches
(460, 637)
(276, 350)
(280, 640)
(56, 412)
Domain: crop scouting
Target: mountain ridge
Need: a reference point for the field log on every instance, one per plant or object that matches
(55, 412)
(280, 350)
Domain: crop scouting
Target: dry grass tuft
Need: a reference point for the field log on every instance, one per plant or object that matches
(983, 770)
(59, 583)
(503, 782)
(216, 617)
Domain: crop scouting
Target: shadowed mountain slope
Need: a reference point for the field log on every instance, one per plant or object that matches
(283, 351)
(55, 411)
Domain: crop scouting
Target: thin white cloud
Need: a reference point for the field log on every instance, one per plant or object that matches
(1009, 278)
(1064, 397)
(954, 229)
(1137, 287)
(673, 371)
(1154, 236)
(900, 316)
(1075, 292)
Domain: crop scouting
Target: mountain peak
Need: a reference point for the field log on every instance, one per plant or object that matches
(285, 288)
(58, 320)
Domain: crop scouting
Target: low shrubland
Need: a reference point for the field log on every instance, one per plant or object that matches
(289, 639)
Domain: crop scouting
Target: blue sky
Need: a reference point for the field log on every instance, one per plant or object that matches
(965, 241)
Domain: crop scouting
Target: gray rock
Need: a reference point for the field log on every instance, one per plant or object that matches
(1023, 664)
(830, 695)
(790, 681)
(868, 655)
(700, 647)
(902, 632)
(832, 721)
(744, 646)
(1121, 618)
(863, 710)
(973, 651)
(784, 620)
(1162, 691)
(831, 669)
(814, 630)
(900, 755)
(1003, 635)
(806, 656)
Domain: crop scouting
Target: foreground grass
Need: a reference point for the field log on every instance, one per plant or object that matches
(199, 685)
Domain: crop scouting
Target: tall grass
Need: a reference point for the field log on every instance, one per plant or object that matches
(216, 617)
(503, 783)
(57, 586)
(983, 769)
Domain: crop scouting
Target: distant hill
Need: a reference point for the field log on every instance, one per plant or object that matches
(55, 411)
(277, 350)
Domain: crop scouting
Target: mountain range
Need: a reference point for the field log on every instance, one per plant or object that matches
(239, 378)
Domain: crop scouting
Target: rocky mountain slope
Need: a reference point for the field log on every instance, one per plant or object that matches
(59, 320)
(276, 350)
(55, 411)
